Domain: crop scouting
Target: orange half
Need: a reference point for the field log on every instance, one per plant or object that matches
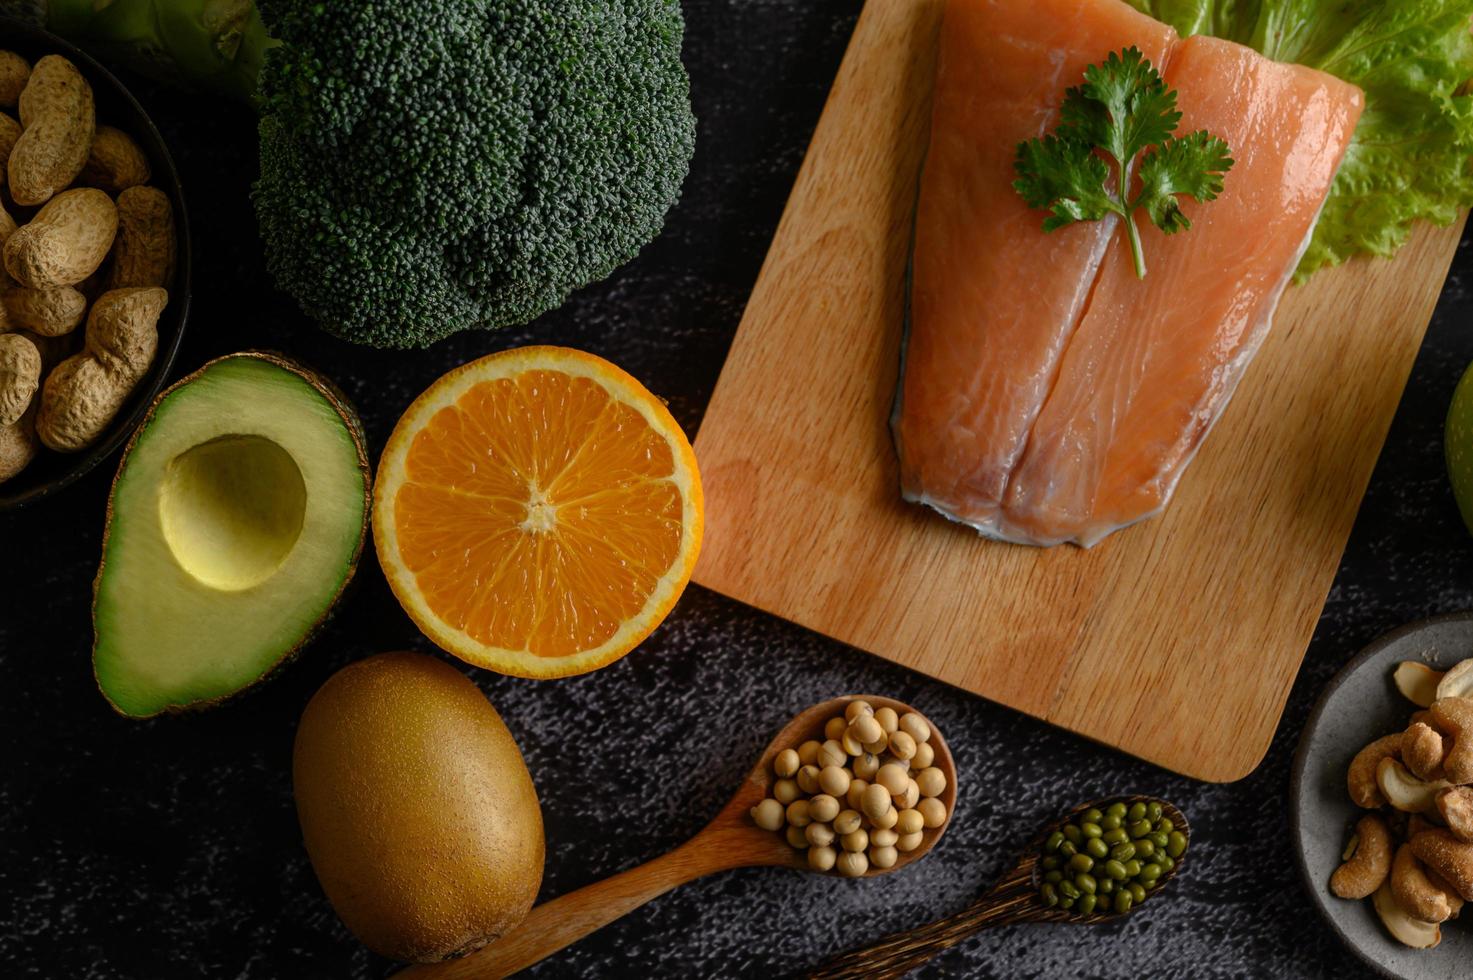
(538, 512)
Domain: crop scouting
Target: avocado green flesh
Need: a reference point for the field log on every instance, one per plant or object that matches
(236, 520)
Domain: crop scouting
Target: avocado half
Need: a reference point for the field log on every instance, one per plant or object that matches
(235, 522)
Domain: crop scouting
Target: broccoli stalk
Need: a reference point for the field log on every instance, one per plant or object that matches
(216, 45)
(437, 165)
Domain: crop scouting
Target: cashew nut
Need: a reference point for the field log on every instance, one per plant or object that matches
(1361, 778)
(1369, 860)
(1416, 823)
(1417, 682)
(1456, 716)
(1457, 682)
(1424, 717)
(1416, 893)
(1456, 807)
(1422, 751)
(1407, 930)
(1405, 791)
(1451, 858)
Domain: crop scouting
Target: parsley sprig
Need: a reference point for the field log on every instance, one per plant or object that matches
(1122, 109)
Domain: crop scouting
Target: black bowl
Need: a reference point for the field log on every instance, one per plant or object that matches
(51, 471)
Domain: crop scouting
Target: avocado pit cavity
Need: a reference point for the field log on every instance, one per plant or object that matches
(232, 510)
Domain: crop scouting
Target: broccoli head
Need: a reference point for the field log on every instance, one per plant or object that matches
(435, 166)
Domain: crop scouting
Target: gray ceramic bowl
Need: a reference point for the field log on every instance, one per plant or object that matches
(1359, 705)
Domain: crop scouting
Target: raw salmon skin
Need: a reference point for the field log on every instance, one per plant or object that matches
(1048, 395)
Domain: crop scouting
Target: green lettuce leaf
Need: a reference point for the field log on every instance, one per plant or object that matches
(1412, 154)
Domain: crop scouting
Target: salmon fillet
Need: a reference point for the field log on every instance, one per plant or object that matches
(993, 300)
(1153, 362)
(1094, 435)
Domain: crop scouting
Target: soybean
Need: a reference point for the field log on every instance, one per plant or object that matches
(768, 814)
(915, 726)
(834, 780)
(823, 808)
(933, 811)
(932, 782)
(866, 729)
(876, 801)
(831, 753)
(863, 794)
(883, 838)
(835, 728)
(819, 834)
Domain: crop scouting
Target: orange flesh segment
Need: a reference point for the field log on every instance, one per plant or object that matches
(1154, 361)
(538, 513)
(993, 298)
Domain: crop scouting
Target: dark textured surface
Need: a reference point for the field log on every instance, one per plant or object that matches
(170, 848)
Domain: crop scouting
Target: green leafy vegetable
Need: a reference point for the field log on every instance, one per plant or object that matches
(1123, 109)
(1411, 156)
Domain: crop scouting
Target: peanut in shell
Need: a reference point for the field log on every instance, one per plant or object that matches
(58, 118)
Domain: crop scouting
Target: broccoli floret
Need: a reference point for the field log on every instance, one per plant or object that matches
(435, 166)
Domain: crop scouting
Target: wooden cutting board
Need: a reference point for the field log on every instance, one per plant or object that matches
(1176, 640)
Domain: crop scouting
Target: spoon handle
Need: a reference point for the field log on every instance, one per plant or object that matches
(563, 921)
(1012, 900)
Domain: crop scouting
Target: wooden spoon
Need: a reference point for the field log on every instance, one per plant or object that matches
(1012, 900)
(731, 840)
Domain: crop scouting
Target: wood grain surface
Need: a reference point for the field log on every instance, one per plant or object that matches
(1176, 640)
